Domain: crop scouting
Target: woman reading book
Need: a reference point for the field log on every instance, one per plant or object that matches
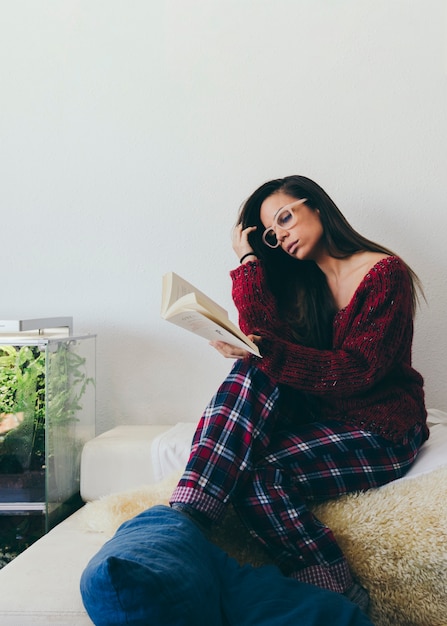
(334, 404)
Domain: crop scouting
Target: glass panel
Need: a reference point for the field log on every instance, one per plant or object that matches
(70, 411)
(47, 413)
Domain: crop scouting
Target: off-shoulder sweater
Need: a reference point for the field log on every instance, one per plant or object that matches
(366, 379)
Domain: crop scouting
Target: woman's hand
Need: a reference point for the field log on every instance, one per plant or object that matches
(241, 244)
(231, 352)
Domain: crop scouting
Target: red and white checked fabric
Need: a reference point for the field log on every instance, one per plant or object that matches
(245, 452)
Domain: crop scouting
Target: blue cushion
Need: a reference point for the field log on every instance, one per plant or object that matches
(160, 569)
(265, 597)
(157, 569)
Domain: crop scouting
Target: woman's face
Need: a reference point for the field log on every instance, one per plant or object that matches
(302, 240)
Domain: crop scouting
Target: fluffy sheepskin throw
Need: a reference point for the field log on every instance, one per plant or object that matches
(394, 537)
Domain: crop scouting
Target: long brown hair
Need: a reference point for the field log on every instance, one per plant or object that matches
(300, 287)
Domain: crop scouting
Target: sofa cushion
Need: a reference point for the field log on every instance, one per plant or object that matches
(119, 459)
(41, 585)
(160, 569)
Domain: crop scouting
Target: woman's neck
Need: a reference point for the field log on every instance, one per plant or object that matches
(345, 275)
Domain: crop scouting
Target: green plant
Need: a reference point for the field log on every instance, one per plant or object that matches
(22, 393)
(20, 371)
(38, 385)
(67, 384)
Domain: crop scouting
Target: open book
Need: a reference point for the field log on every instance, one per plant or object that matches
(184, 305)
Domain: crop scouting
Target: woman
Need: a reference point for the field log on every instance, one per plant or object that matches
(333, 406)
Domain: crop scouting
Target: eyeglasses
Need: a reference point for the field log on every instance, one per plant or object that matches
(284, 219)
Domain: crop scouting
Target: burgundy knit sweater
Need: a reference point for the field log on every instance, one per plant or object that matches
(366, 379)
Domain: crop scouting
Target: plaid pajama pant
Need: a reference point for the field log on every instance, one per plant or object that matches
(244, 452)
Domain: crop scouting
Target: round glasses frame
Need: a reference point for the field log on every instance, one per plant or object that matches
(285, 219)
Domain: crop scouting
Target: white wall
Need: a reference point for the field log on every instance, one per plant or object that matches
(132, 130)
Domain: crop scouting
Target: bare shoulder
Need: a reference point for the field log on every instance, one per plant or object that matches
(356, 268)
(366, 260)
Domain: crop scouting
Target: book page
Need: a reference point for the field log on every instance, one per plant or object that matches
(186, 306)
(203, 326)
(174, 288)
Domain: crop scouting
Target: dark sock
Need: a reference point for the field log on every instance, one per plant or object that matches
(199, 518)
(358, 595)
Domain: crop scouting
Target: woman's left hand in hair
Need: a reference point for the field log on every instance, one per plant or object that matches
(241, 245)
(231, 352)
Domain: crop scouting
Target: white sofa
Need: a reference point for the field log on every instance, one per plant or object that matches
(41, 586)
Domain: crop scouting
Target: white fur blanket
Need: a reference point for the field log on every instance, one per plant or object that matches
(395, 539)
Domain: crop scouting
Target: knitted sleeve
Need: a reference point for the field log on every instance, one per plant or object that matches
(255, 303)
(370, 336)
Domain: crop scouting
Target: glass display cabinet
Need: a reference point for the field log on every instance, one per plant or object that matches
(47, 413)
